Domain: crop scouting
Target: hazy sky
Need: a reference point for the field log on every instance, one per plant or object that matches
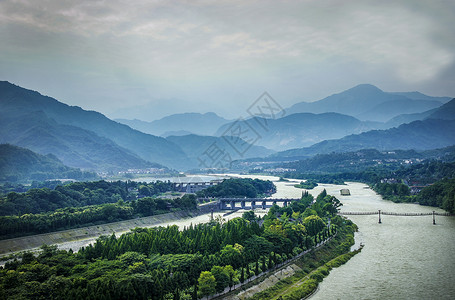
(146, 59)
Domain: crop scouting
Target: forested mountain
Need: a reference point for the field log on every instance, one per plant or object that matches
(418, 135)
(87, 127)
(300, 130)
(195, 123)
(368, 102)
(195, 146)
(73, 145)
(20, 164)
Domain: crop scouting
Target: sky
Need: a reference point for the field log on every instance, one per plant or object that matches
(148, 59)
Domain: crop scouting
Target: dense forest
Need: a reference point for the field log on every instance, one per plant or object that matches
(78, 194)
(76, 204)
(166, 262)
(58, 207)
(240, 188)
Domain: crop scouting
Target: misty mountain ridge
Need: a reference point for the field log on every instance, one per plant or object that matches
(74, 146)
(15, 102)
(367, 102)
(193, 123)
(195, 146)
(418, 135)
(302, 129)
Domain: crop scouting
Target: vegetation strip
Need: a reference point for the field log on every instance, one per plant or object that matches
(313, 267)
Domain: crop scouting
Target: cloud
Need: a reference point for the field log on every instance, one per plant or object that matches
(204, 50)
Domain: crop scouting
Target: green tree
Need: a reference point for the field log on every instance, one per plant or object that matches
(206, 284)
(313, 225)
(221, 277)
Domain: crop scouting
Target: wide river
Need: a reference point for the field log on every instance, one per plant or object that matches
(402, 258)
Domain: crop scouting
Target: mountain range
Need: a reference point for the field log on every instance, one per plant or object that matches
(80, 138)
(369, 103)
(436, 130)
(301, 129)
(179, 124)
(89, 140)
(195, 147)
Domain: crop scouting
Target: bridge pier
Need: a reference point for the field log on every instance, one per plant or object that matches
(379, 216)
(434, 219)
(232, 205)
(285, 203)
(264, 204)
(242, 204)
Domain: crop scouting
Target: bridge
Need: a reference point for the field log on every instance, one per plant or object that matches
(379, 212)
(233, 203)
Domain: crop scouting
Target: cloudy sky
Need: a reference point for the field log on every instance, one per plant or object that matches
(147, 59)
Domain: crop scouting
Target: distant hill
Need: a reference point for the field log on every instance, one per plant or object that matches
(419, 96)
(418, 135)
(367, 102)
(195, 146)
(16, 102)
(407, 118)
(445, 112)
(389, 109)
(20, 164)
(195, 123)
(74, 146)
(303, 129)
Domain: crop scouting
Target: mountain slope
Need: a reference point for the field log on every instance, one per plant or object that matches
(418, 135)
(20, 164)
(302, 129)
(419, 96)
(74, 146)
(367, 102)
(196, 123)
(445, 112)
(388, 110)
(195, 146)
(15, 101)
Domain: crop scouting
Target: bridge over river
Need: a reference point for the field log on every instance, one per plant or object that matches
(251, 203)
(379, 213)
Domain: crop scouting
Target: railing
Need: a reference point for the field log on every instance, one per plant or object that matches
(379, 212)
(392, 213)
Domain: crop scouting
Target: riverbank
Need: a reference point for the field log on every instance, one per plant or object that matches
(79, 237)
(306, 271)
